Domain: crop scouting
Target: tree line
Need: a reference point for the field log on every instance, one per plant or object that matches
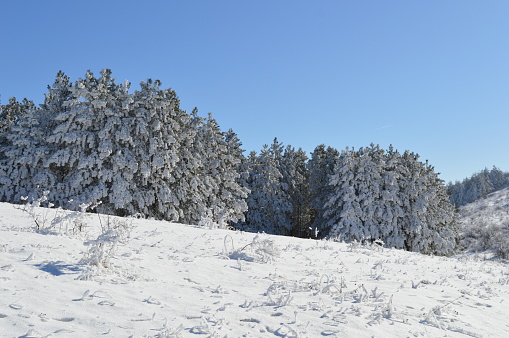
(478, 186)
(362, 195)
(140, 153)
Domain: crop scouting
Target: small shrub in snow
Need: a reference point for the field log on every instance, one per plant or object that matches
(72, 223)
(40, 217)
(102, 249)
(171, 333)
(207, 221)
(259, 250)
(264, 250)
(49, 220)
(279, 295)
(389, 311)
(483, 237)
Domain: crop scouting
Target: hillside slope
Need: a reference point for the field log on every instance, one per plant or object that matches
(485, 224)
(173, 280)
(494, 209)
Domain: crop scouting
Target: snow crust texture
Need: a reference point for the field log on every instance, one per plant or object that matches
(171, 280)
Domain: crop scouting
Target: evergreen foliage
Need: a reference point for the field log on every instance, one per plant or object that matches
(140, 153)
(22, 172)
(395, 198)
(296, 180)
(222, 197)
(10, 115)
(85, 146)
(151, 135)
(136, 153)
(268, 203)
(321, 168)
(478, 186)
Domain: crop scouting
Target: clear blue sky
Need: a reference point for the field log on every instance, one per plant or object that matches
(428, 76)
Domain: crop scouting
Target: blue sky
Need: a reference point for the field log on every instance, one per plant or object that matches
(428, 76)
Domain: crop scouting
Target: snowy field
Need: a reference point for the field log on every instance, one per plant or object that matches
(173, 280)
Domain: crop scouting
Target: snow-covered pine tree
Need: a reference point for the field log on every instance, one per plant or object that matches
(391, 215)
(296, 178)
(247, 180)
(189, 185)
(428, 224)
(456, 191)
(11, 114)
(153, 134)
(368, 182)
(392, 197)
(235, 175)
(356, 202)
(18, 165)
(343, 212)
(137, 153)
(223, 198)
(498, 179)
(321, 168)
(283, 205)
(478, 186)
(86, 144)
(268, 202)
(24, 173)
(440, 217)
(234, 148)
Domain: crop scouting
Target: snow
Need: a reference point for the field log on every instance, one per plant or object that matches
(485, 224)
(494, 209)
(174, 280)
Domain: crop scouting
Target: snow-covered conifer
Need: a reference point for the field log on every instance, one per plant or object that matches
(391, 210)
(24, 173)
(428, 224)
(321, 168)
(343, 212)
(85, 144)
(189, 184)
(11, 114)
(151, 137)
(391, 197)
(296, 178)
(371, 165)
(498, 179)
(478, 186)
(268, 202)
(223, 197)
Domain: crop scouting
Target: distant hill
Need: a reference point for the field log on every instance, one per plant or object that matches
(485, 223)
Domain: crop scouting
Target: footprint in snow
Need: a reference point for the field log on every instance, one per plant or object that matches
(65, 319)
(31, 334)
(86, 296)
(63, 331)
(151, 300)
(8, 267)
